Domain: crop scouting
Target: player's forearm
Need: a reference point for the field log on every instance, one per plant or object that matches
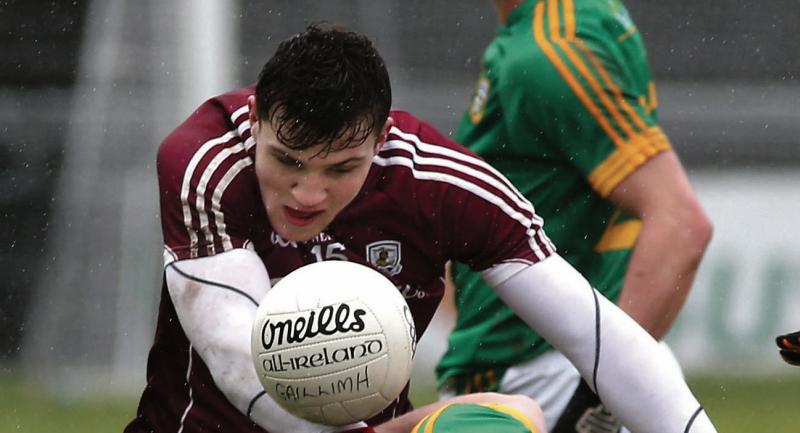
(663, 266)
(216, 300)
(615, 355)
(215, 314)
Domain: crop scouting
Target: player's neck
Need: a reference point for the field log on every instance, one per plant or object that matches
(504, 8)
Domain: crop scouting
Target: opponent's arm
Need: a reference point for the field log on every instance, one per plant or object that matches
(619, 359)
(216, 299)
(674, 235)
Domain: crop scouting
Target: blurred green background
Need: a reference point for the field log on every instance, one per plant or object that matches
(736, 405)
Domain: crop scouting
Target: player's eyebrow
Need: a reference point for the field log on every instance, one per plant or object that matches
(286, 155)
(348, 160)
(283, 154)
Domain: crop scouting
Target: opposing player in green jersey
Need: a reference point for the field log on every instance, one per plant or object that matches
(476, 418)
(472, 413)
(565, 107)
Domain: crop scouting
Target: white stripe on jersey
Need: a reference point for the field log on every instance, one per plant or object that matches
(217, 196)
(191, 397)
(467, 186)
(455, 165)
(511, 190)
(244, 126)
(239, 111)
(200, 202)
(189, 173)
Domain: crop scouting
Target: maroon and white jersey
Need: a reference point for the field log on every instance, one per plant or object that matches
(426, 200)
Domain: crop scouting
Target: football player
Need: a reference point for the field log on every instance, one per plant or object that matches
(472, 413)
(566, 108)
(311, 164)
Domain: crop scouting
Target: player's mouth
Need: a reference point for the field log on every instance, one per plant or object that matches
(299, 217)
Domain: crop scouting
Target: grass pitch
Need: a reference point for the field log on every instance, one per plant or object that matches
(26, 408)
(751, 405)
(737, 405)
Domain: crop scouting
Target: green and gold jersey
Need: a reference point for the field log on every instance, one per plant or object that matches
(475, 418)
(565, 107)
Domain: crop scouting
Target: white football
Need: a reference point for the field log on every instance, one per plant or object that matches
(333, 342)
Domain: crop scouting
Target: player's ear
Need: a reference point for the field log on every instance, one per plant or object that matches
(384, 134)
(253, 115)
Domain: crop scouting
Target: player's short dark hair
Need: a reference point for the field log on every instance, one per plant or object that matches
(324, 86)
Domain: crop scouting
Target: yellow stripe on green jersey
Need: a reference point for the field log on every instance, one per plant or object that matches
(565, 107)
(475, 418)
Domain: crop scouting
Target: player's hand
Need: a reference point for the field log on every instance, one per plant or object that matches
(790, 347)
(585, 413)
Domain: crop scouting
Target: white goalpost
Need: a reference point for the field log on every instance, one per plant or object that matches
(143, 67)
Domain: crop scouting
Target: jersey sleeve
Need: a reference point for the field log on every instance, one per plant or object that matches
(592, 96)
(209, 199)
(489, 222)
(478, 214)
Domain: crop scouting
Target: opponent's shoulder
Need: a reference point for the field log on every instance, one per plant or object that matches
(600, 19)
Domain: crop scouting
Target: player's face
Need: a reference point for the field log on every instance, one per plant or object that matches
(303, 190)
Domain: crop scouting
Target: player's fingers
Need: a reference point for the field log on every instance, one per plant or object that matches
(790, 357)
(783, 342)
(789, 341)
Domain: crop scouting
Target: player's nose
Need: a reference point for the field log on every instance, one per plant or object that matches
(309, 190)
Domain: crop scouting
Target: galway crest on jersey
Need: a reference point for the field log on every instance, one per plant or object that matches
(385, 256)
